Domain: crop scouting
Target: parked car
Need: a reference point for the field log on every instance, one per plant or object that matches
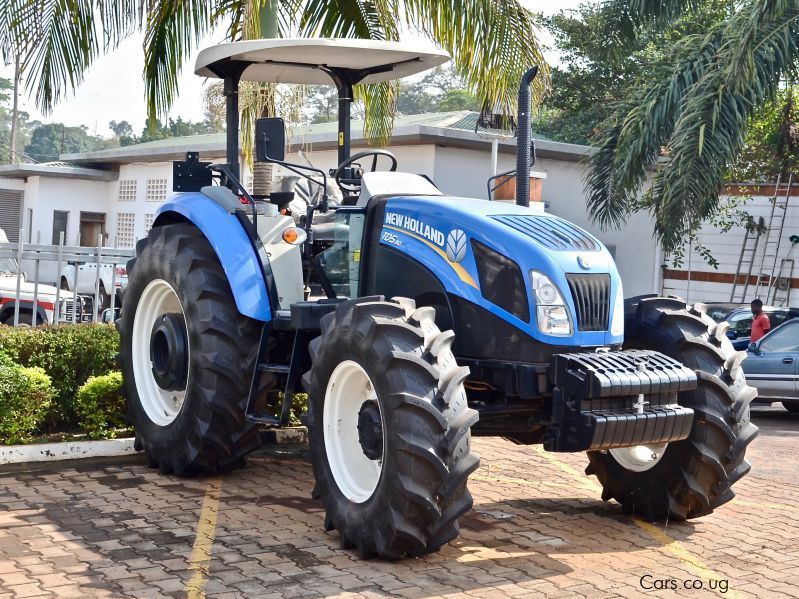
(87, 277)
(772, 366)
(45, 300)
(721, 311)
(741, 323)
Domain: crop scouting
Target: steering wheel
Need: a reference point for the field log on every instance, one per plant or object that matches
(351, 184)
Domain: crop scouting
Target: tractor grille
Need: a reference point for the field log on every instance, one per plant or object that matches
(551, 232)
(591, 295)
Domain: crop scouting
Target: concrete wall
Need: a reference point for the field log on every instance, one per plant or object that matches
(726, 248)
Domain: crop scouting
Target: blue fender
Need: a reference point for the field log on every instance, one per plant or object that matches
(232, 246)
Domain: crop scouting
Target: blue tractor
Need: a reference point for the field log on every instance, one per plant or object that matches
(413, 321)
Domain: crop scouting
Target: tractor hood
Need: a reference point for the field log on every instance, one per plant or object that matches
(459, 239)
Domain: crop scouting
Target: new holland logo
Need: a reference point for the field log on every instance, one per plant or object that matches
(456, 246)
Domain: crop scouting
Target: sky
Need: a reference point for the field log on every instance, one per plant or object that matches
(113, 88)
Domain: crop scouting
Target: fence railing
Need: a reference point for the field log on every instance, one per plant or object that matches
(72, 307)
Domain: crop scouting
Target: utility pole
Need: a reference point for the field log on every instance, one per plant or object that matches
(15, 111)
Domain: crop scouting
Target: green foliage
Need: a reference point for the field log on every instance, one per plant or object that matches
(100, 405)
(440, 90)
(48, 141)
(69, 354)
(492, 43)
(593, 76)
(690, 115)
(772, 141)
(25, 397)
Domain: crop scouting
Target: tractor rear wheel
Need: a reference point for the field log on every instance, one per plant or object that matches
(692, 477)
(187, 356)
(389, 428)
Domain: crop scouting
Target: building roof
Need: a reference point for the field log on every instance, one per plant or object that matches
(454, 129)
(64, 170)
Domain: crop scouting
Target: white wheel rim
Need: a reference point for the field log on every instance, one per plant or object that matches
(639, 458)
(355, 474)
(157, 299)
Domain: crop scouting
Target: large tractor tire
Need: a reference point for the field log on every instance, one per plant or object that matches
(187, 356)
(689, 478)
(389, 428)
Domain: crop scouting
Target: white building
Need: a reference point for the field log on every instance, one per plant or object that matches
(696, 280)
(116, 192)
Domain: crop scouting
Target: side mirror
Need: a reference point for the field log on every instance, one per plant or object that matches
(753, 348)
(270, 140)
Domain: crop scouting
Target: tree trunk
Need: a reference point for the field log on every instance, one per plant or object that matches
(15, 114)
(262, 171)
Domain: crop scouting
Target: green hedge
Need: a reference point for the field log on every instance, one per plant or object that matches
(100, 405)
(26, 395)
(69, 354)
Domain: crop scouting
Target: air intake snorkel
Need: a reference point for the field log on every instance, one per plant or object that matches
(524, 153)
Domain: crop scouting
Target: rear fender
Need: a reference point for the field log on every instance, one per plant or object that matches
(232, 246)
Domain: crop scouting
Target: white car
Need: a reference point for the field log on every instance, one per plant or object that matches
(45, 300)
(87, 276)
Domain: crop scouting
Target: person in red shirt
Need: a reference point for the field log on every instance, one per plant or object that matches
(760, 322)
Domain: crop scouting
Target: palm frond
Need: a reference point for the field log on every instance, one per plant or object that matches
(366, 19)
(63, 42)
(695, 113)
(492, 44)
(380, 102)
(629, 145)
(624, 19)
(710, 131)
(173, 29)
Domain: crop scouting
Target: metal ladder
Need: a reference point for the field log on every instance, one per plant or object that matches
(774, 231)
(781, 285)
(747, 260)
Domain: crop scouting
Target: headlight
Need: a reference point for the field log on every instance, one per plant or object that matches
(617, 324)
(551, 312)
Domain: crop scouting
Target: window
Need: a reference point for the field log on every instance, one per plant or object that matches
(126, 229)
(785, 339)
(127, 190)
(156, 190)
(741, 324)
(148, 222)
(60, 218)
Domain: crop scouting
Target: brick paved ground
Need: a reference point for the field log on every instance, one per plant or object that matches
(538, 529)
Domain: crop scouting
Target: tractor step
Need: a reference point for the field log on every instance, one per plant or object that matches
(618, 399)
(276, 368)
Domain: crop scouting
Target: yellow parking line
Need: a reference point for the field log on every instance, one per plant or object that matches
(767, 506)
(673, 546)
(200, 559)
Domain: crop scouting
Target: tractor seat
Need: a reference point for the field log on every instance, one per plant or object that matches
(383, 183)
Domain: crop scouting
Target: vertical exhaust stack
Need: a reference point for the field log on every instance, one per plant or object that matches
(523, 154)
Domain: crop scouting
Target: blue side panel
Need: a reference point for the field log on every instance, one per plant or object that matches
(232, 246)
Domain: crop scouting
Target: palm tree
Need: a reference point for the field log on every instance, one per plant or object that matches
(492, 43)
(687, 120)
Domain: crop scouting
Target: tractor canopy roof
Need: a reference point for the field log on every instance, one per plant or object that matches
(311, 61)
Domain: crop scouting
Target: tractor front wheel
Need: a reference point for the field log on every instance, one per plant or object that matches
(389, 428)
(692, 477)
(187, 356)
